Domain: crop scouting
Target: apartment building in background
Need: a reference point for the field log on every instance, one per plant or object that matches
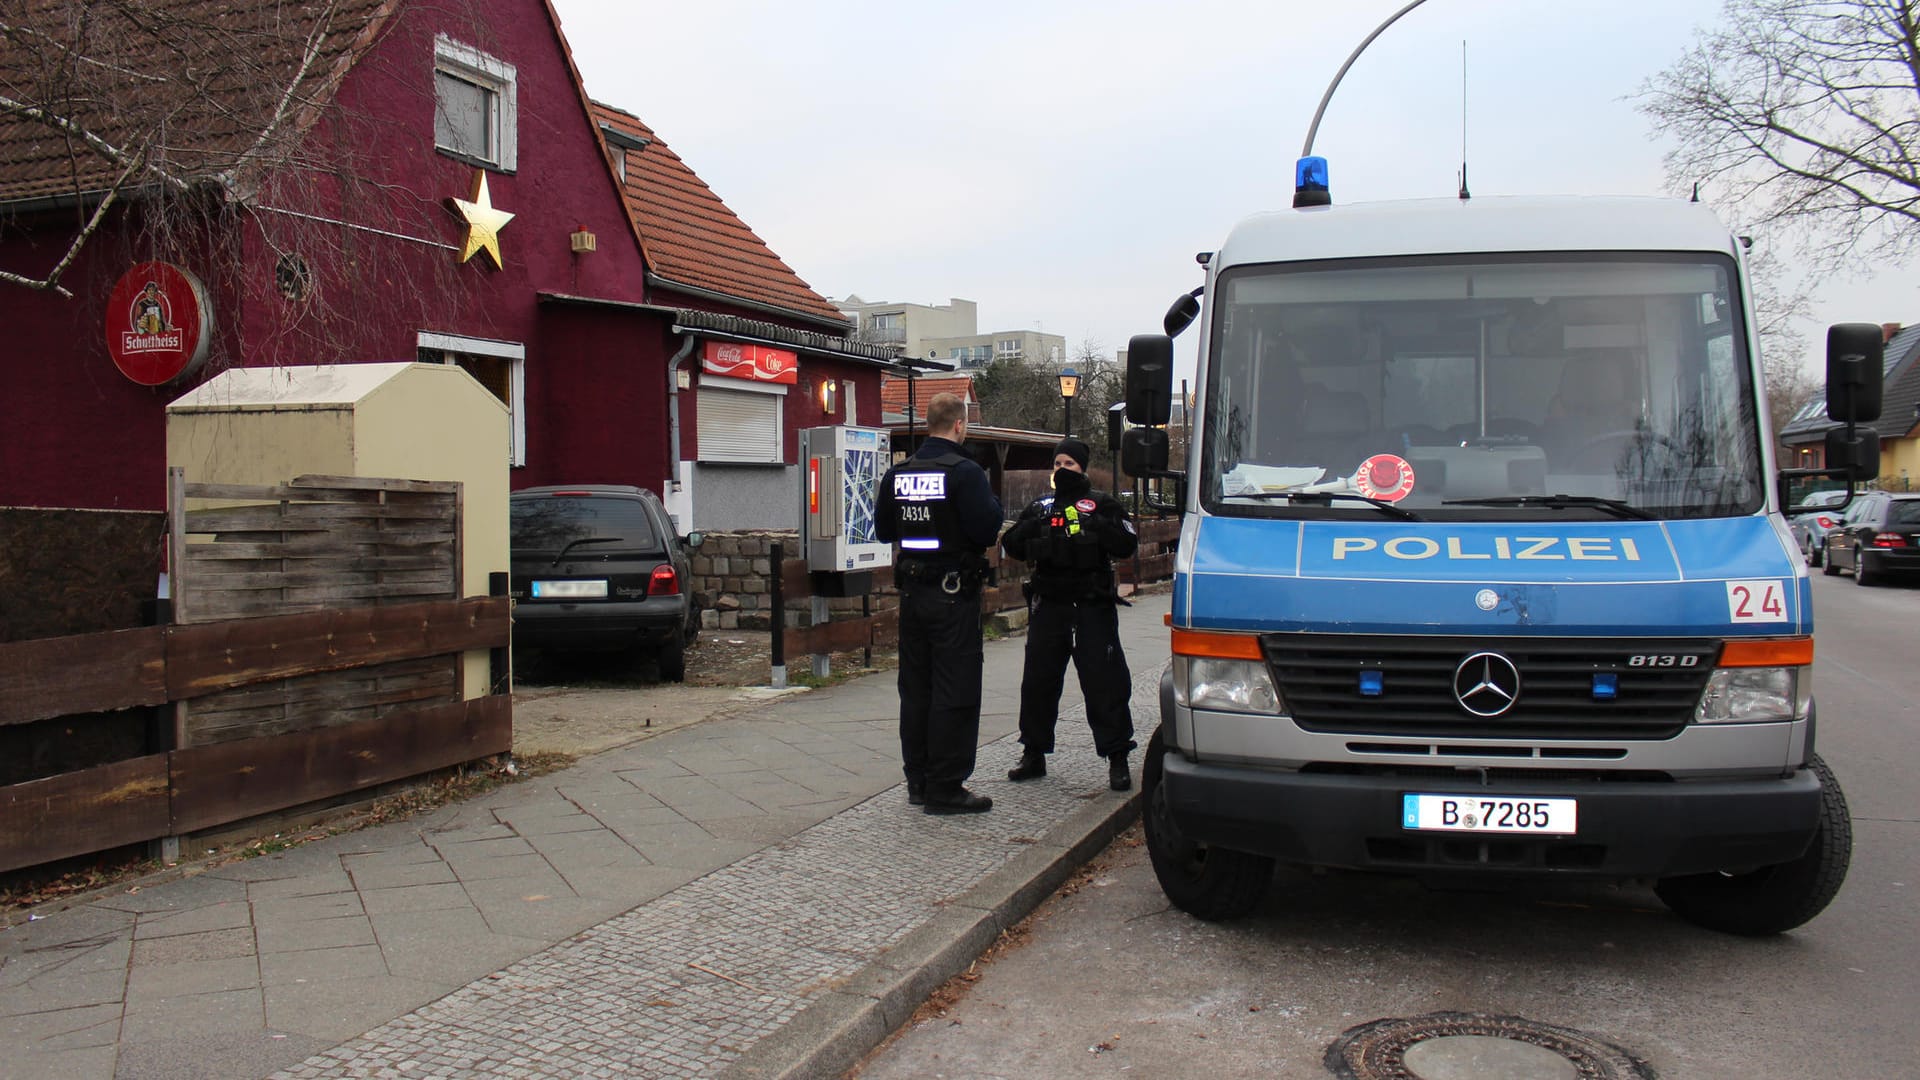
(949, 333)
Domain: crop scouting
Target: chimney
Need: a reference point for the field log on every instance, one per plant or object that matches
(1887, 330)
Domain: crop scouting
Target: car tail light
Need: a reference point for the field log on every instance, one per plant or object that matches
(664, 581)
(1823, 521)
(1889, 540)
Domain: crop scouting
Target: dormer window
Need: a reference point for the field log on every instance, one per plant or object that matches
(475, 106)
(622, 144)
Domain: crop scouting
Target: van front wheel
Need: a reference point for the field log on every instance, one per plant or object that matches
(1206, 882)
(1773, 899)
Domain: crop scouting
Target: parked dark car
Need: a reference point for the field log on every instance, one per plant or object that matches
(598, 568)
(1810, 529)
(1880, 535)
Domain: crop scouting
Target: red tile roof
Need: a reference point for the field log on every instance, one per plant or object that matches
(893, 394)
(193, 82)
(691, 238)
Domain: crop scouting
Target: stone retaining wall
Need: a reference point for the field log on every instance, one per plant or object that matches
(733, 582)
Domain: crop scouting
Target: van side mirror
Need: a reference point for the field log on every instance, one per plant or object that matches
(1855, 455)
(1150, 379)
(1181, 314)
(693, 539)
(1143, 451)
(1854, 374)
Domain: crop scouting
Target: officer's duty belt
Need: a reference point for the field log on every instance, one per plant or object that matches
(951, 580)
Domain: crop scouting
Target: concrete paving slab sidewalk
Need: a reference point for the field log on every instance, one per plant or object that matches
(746, 896)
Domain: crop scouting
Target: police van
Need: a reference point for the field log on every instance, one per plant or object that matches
(1483, 569)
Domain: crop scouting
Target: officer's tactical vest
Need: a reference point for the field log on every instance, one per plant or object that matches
(926, 523)
(1070, 545)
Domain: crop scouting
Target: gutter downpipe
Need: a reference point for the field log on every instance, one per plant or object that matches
(674, 487)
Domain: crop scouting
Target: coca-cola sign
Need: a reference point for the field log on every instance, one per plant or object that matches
(158, 323)
(757, 362)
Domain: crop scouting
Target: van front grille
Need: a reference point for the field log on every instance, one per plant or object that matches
(1319, 677)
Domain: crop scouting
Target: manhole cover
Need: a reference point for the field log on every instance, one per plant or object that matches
(1471, 1046)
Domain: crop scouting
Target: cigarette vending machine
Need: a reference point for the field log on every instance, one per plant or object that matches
(841, 468)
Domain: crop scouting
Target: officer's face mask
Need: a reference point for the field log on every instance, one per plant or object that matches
(1070, 483)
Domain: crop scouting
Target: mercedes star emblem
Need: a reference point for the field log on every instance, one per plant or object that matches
(1486, 684)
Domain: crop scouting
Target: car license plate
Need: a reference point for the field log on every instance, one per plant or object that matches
(569, 590)
(1489, 814)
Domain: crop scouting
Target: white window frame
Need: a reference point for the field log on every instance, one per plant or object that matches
(447, 348)
(490, 74)
(706, 455)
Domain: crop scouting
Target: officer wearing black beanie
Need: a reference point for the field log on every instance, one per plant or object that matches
(1072, 537)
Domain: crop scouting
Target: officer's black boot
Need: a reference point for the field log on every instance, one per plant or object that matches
(916, 793)
(1117, 776)
(956, 801)
(1033, 765)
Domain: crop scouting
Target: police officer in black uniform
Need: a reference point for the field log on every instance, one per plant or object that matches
(1072, 537)
(939, 506)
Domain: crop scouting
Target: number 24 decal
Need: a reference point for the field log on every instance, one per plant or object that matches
(1756, 601)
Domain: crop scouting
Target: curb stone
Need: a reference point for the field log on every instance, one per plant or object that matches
(837, 1031)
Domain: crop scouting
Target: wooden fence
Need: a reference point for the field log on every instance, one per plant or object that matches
(881, 628)
(314, 652)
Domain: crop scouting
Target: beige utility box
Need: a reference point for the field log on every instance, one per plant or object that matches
(405, 421)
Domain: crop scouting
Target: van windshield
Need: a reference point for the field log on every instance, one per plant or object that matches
(1473, 388)
(597, 525)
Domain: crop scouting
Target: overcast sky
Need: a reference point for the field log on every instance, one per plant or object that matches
(1061, 163)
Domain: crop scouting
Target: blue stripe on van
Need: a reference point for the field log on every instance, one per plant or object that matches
(1628, 577)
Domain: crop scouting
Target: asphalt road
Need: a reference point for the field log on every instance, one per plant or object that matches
(1107, 980)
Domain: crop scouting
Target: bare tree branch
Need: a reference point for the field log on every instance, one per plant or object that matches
(213, 134)
(1801, 116)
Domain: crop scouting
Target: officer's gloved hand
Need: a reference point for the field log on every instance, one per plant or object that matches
(1070, 485)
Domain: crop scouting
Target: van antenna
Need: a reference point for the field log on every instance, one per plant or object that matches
(1464, 195)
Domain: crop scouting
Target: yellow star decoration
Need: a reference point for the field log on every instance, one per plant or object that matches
(483, 221)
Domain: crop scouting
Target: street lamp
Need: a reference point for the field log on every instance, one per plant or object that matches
(1069, 389)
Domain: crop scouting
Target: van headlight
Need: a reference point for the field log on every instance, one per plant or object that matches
(1206, 682)
(1745, 695)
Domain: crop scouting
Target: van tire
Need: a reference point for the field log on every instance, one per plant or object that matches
(1773, 899)
(1208, 883)
(672, 659)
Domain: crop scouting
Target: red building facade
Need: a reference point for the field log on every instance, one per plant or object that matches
(384, 234)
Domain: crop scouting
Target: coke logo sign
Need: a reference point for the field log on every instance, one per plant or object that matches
(757, 362)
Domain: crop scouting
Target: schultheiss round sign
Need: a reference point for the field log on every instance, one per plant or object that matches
(158, 323)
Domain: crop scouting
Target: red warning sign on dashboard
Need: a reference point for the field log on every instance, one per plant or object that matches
(1384, 476)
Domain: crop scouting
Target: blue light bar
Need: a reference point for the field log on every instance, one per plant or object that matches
(1310, 183)
(1372, 683)
(1606, 686)
(1310, 174)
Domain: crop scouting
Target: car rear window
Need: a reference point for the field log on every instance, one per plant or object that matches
(545, 524)
(1904, 512)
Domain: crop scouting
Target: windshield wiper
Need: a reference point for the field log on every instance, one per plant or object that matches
(1559, 502)
(1326, 498)
(571, 544)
